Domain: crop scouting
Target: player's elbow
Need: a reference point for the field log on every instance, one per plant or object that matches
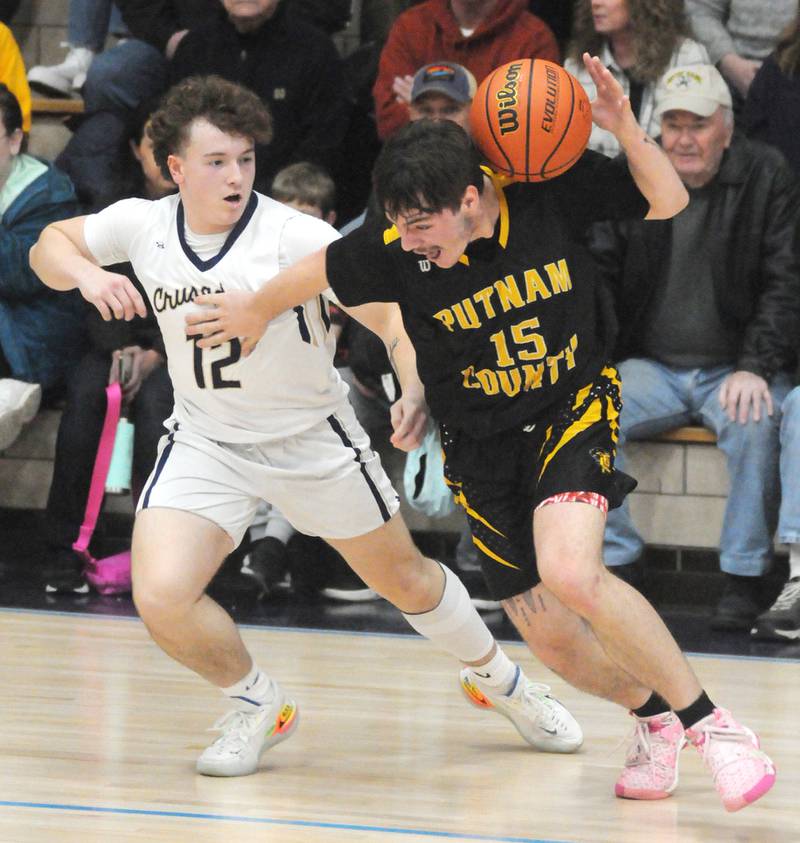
(668, 203)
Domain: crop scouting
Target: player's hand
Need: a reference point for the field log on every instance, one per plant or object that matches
(611, 108)
(224, 317)
(409, 417)
(742, 393)
(402, 86)
(115, 296)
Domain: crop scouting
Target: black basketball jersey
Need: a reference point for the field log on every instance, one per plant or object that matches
(515, 324)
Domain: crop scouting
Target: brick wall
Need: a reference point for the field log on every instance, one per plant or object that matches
(39, 27)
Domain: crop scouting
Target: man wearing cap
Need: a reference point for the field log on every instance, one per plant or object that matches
(442, 91)
(708, 306)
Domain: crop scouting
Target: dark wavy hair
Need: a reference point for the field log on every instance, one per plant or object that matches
(787, 51)
(231, 108)
(426, 166)
(658, 28)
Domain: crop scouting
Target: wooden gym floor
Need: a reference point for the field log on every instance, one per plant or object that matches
(100, 731)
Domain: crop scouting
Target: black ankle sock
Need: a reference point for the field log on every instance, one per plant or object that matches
(699, 709)
(656, 704)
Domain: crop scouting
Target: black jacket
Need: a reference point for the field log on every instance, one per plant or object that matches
(772, 110)
(754, 242)
(294, 68)
(156, 21)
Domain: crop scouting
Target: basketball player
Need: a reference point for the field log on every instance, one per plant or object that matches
(498, 297)
(274, 426)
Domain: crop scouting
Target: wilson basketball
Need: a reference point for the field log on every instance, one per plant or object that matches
(531, 119)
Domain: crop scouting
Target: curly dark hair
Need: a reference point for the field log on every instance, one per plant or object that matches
(230, 107)
(426, 166)
(658, 28)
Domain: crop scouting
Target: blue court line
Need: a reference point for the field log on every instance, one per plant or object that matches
(193, 815)
(409, 636)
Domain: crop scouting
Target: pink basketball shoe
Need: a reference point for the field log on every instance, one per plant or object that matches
(742, 772)
(651, 767)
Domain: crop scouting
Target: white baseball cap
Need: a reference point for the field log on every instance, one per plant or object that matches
(698, 88)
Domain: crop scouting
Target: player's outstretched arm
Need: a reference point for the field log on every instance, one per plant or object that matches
(61, 258)
(245, 315)
(649, 166)
(409, 414)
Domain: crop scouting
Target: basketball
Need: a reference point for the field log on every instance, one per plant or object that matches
(531, 119)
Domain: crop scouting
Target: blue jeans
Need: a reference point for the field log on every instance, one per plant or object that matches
(789, 520)
(90, 21)
(124, 77)
(657, 398)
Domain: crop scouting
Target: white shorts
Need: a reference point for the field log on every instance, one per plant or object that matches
(327, 481)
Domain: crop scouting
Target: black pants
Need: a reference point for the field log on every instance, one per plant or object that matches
(79, 435)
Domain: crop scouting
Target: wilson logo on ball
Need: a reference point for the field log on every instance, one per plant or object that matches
(507, 100)
(530, 119)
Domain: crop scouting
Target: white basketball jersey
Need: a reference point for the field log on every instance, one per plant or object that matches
(288, 383)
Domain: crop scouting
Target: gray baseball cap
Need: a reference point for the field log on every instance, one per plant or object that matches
(444, 77)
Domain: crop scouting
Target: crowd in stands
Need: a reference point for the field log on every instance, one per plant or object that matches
(705, 307)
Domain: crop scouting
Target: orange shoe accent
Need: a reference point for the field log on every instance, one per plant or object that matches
(475, 694)
(285, 718)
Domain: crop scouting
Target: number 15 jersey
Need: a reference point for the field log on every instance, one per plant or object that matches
(288, 383)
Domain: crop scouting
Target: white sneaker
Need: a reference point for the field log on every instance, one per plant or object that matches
(19, 403)
(246, 735)
(537, 715)
(65, 79)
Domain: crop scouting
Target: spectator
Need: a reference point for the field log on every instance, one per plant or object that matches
(781, 622)
(292, 66)
(137, 70)
(307, 188)
(480, 35)
(12, 74)
(637, 40)
(738, 35)
(147, 397)
(772, 108)
(41, 333)
(442, 91)
(88, 25)
(709, 312)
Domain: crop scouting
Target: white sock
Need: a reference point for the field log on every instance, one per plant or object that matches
(454, 625)
(794, 561)
(252, 691)
(498, 674)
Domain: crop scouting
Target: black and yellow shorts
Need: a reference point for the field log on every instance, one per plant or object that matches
(500, 480)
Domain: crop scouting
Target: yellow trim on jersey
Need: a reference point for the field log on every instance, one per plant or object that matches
(493, 555)
(464, 259)
(499, 182)
(390, 235)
